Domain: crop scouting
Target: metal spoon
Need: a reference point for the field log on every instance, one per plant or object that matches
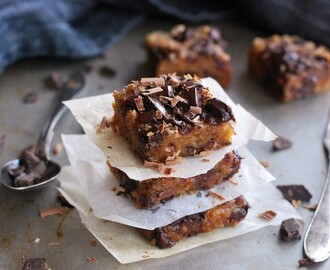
(70, 88)
(317, 238)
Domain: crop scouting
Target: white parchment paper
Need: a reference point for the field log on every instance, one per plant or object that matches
(90, 111)
(97, 182)
(127, 245)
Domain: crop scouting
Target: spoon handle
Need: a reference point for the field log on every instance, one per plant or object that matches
(317, 238)
(70, 88)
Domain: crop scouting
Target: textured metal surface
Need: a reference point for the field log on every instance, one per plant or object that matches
(304, 122)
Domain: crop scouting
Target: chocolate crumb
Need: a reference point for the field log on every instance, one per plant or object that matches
(291, 229)
(58, 148)
(90, 259)
(295, 192)
(88, 68)
(36, 264)
(281, 143)
(305, 262)
(311, 207)
(268, 215)
(107, 71)
(93, 243)
(264, 163)
(31, 97)
(2, 142)
(55, 80)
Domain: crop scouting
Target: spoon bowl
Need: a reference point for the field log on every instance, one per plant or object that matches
(52, 171)
(68, 90)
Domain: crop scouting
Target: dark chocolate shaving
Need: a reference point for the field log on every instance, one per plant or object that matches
(291, 229)
(295, 192)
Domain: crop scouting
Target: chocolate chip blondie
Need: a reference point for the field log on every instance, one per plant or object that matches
(227, 214)
(150, 192)
(195, 50)
(291, 67)
(169, 117)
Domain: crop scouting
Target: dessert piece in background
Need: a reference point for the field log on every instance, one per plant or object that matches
(226, 214)
(195, 50)
(169, 117)
(151, 192)
(291, 67)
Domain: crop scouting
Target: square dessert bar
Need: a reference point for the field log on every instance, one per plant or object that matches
(195, 50)
(171, 116)
(227, 214)
(151, 192)
(291, 66)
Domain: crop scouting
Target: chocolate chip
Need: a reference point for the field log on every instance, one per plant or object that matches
(31, 97)
(291, 229)
(36, 264)
(2, 142)
(107, 71)
(281, 143)
(295, 192)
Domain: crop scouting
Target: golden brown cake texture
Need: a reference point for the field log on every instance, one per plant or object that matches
(227, 214)
(290, 66)
(195, 50)
(149, 193)
(171, 116)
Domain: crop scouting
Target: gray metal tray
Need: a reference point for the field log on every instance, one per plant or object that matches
(303, 122)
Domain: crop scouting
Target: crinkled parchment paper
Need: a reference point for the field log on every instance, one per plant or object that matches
(127, 245)
(97, 182)
(90, 111)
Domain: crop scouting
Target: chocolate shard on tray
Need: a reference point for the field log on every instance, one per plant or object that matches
(291, 67)
(291, 229)
(196, 50)
(226, 214)
(149, 193)
(171, 116)
(295, 192)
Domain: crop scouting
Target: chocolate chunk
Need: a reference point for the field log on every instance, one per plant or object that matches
(31, 169)
(305, 262)
(36, 264)
(107, 71)
(295, 192)
(220, 109)
(31, 97)
(2, 142)
(291, 229)
(281, 143)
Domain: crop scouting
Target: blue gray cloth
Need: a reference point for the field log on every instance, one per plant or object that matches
(86, 28)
